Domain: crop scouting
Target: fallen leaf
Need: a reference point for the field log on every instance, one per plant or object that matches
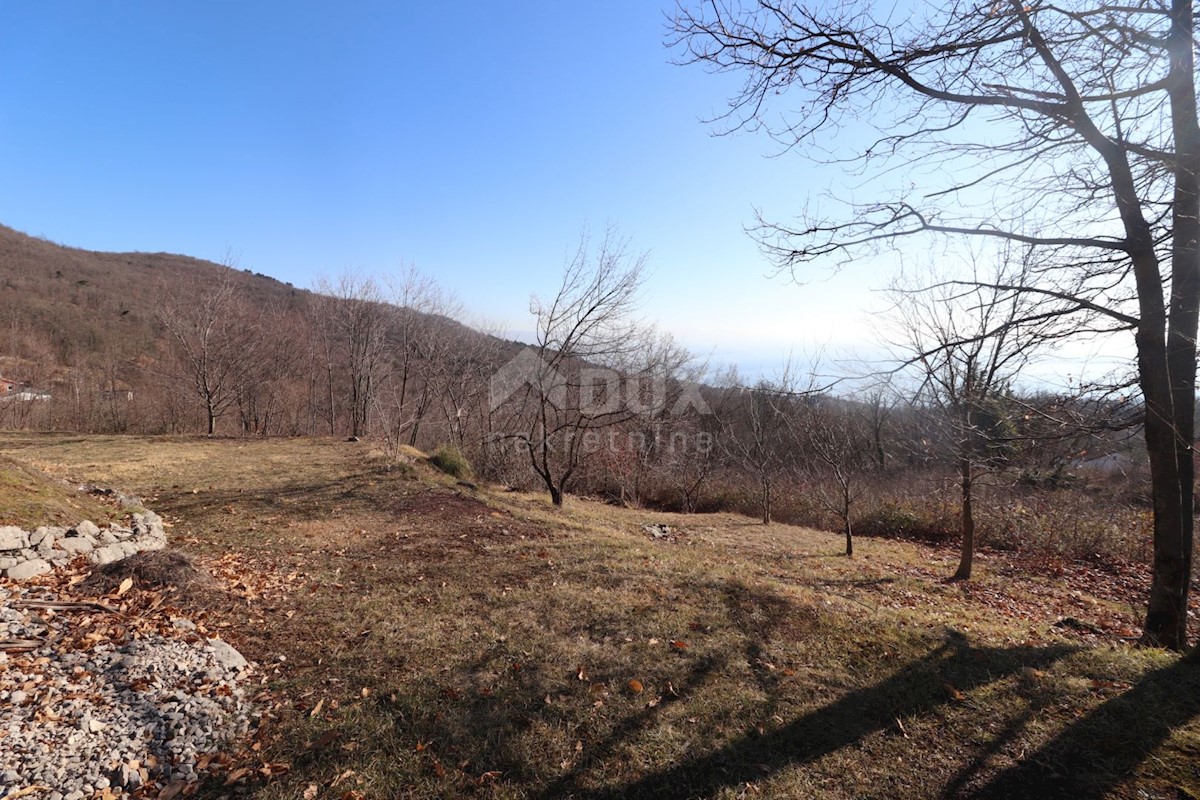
(635, 686)
(679, 644)
(310, 791)
(317, 708)
(321, 742)
(125, 586)
(954, 693)
(236, 775)
(172, 790)
(28, 790)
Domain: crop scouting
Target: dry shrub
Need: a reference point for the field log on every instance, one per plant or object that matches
(155, 570)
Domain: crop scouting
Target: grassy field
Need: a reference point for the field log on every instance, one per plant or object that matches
(421, 639)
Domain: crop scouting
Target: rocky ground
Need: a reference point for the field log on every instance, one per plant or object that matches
(110, 696)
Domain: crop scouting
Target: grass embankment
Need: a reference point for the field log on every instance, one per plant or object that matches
(29, 499)
(424, 640)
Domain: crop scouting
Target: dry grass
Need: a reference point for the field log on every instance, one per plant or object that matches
(440, 642)
(29, 499)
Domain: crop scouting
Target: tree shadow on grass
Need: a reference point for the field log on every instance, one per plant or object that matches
(916, 688)
(1095, 754)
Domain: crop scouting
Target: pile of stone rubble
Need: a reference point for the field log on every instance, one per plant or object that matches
(96, 698)
(26, 554)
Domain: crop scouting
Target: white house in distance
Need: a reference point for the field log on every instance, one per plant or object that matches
(18, 392)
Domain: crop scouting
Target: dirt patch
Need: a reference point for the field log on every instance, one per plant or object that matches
(450, 511)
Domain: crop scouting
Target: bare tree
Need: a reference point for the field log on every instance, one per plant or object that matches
(261, 396)
(757, 436)
(591, 365)
(694, 438)
(359, 319)
(217, 341)
(881, 404)
(424, 339)
(967, 345)
(839, 451)
(1071, 129)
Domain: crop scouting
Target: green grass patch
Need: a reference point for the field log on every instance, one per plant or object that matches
(451, 461)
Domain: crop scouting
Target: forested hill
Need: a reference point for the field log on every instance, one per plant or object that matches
(157, 342)
(62, 306)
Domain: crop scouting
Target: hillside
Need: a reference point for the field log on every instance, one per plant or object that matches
(71, 304)
(421, 640)
(29, 499)
(86, 331)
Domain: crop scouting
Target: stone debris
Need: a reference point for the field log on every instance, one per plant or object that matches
(109, 699)
(659, 531)
(25, 554)
(85, 708)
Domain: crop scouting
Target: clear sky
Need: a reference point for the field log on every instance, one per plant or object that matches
(471, 139)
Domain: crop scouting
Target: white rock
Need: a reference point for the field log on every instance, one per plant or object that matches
(76, 545)
(27, 570)
(13, 538)
(87, 528)
(227, 656)
(108, 553)
(149, 543)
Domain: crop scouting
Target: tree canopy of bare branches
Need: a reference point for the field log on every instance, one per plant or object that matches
(593, 366)
(966, 345)
(1067, 128)
(218, 343)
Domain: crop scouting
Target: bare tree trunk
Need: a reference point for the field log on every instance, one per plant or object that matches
(1168, 443)
(846, 503)
(1172, 468)
(212, 416)
(967, 557)
(332, 400)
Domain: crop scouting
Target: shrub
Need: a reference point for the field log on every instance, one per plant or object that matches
(449, 460)
(904, 521)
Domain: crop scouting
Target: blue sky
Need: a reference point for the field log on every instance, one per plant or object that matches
(472, 139)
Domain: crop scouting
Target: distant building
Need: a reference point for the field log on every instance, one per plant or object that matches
(20, 392)
(1109, 463)
(26, 396)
